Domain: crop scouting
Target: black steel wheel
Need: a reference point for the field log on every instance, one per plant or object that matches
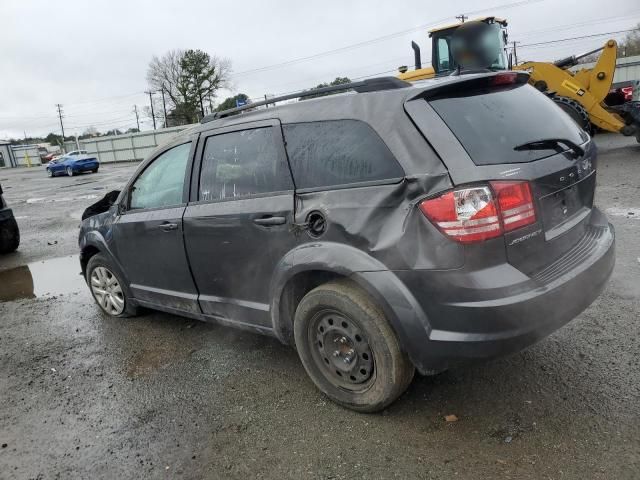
(349, 349)
(341, 350)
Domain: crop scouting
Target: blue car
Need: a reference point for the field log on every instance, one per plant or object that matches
(73, 163)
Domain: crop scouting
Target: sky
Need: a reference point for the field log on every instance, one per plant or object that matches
(92, 56)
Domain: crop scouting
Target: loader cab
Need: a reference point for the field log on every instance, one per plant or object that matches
(442, 45)
(443, 48)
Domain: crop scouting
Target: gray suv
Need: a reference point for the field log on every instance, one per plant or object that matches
(389, 228)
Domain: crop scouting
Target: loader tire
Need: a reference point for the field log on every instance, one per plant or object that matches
(575, 111)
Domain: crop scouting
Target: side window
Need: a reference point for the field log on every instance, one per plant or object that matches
(338, 152)
(161, 184)
(443, 54)
(241, 164)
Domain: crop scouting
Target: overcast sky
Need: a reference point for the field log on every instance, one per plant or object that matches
(92, 56)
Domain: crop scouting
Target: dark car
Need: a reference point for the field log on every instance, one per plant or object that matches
(9, 232)
(379, 230)
(73, 163)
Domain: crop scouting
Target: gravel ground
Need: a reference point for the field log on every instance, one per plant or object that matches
(159, 396)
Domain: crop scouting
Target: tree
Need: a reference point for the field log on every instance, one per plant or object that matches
(232, 102)
(190, 80)
(132, 130)
(631, 44)
(337, 81)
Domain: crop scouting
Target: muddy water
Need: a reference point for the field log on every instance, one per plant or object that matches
(49, 278)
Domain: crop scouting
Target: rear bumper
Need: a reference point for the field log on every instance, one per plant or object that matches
(85, 167)
(491, 322)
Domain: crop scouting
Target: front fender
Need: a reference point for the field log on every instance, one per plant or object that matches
(96, 232)
(400, 307)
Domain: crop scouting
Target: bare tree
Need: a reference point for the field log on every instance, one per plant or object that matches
(631, 44)
(190, 79)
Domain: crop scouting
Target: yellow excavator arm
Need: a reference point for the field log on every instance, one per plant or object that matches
(588, 87)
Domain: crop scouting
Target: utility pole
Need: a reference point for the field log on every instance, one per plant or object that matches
(515, 53)
(462, 17)
(164, 108)
(135, 110)
(61, 125)
(153, 115)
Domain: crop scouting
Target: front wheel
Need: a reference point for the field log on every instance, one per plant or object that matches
(70, 171)
(349, 349)
(108, 288)
(49, 173)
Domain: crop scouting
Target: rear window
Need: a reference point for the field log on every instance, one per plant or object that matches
(490, 122)
(338, 152)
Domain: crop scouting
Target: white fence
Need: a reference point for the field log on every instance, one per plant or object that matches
(126, 147)
(25, 155)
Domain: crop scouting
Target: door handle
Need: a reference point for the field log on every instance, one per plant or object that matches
(270, 221)
(167, 227)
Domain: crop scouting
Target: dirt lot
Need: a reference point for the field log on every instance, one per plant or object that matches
(85, 396)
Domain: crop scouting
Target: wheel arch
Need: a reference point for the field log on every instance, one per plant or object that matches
(309, 266)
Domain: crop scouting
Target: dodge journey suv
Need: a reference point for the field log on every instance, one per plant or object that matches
(383, 230)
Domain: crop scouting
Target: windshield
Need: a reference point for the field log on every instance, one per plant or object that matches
(490, 123)
(444, 61)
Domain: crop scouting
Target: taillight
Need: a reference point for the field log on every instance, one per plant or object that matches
(467, 215)
(503, 79)
(515, 204)
(470, 215)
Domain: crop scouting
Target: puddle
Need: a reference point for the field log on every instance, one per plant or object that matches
(49, 278)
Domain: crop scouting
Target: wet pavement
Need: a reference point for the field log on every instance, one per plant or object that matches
(159, 396)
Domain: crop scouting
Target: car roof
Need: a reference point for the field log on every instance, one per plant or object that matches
(345, 105)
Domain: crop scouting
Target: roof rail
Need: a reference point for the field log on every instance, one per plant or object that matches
(368, 85)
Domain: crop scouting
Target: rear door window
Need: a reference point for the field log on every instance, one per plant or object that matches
(243, 164)
(338, 152)
(490, 122)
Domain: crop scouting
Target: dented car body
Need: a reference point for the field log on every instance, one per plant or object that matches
(471, 244)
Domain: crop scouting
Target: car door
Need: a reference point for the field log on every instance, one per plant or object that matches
(238, 223)
(148, 234)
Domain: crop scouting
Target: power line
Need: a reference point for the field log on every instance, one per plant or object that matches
(577, 38)
(377, 39)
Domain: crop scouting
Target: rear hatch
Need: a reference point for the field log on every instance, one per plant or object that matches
(497, 127)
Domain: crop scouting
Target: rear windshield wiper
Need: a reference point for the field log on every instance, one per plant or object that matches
(554, 143)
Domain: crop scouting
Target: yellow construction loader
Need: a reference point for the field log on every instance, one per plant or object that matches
(580, 94)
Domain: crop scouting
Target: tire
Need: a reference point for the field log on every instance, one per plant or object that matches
(70, 171)
(369, 370)
(9, 236)
(576, 111)
(49, 173)
(96, 268)
(95, 170)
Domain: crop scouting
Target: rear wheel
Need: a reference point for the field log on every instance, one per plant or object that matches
(108, 288)
(70, 171)
(9, 236)
(95, 170)
(348, 348)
